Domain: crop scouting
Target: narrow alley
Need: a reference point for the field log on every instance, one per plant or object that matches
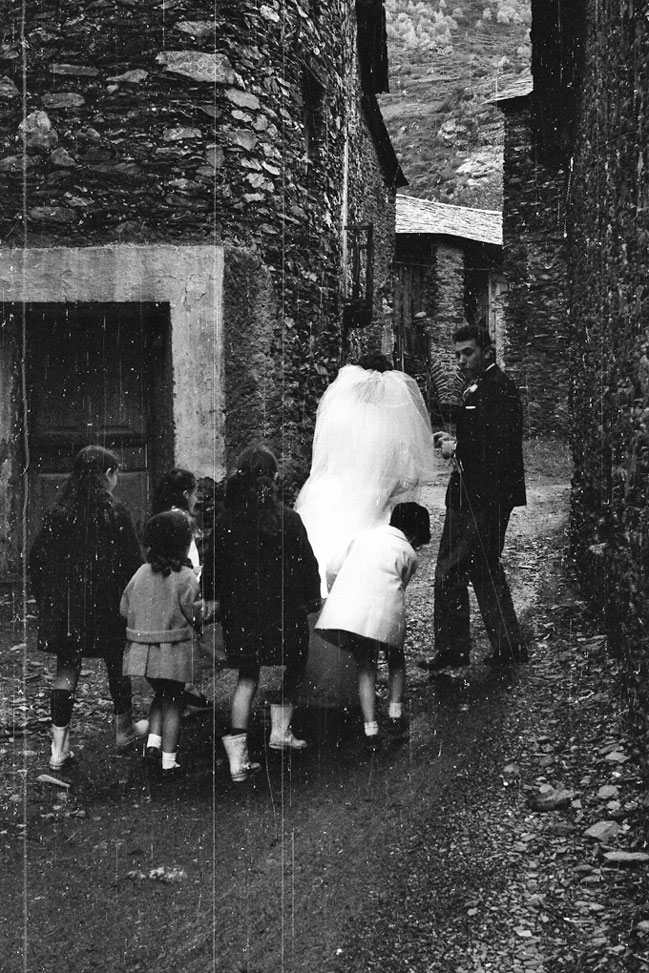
(463, 850)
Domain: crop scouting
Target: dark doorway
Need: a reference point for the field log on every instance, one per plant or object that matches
(98, 374)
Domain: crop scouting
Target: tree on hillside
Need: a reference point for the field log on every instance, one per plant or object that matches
(512, 12)
(448, 59)
(417, 27)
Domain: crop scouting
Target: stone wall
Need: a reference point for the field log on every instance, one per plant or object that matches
(449, 315)
(235, 125)
(609, 298)
(11, 417)
(372, 200)
(254, 381)
(536, 327)
(608, 232)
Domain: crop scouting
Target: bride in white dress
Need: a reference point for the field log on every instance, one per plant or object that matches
(372, 449)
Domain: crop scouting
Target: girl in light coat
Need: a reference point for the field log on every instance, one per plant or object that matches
(365, 610)
(178, 490)
(160, 604)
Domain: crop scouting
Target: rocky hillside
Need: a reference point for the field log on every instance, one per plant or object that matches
(448, 60)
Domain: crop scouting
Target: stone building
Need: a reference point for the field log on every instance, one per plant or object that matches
(197, 229)
(447, 272)
(591, 121)
(535, 322)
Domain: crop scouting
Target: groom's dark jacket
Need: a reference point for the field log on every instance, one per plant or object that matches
(489, 452)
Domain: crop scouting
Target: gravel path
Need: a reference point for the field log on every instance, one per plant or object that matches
(464, 851)
(487, 881)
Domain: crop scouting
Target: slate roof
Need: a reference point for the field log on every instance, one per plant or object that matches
(425, 216)
(520, 88)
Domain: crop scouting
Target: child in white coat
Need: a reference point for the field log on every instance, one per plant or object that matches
(365, 611)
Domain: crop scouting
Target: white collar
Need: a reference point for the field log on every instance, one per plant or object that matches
(389, 529)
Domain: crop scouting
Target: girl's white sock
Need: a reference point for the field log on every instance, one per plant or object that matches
(395, 710)
(371, 729)
(154, 741)
(168, 761)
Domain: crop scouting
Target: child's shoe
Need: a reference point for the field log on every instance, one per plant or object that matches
(170, 768)
(281, 735)
(60, 752)
(153, 761)
(373, 743)
(170, 774)
(236, 748)
(398, 728)
(127, 731)
(195, 702)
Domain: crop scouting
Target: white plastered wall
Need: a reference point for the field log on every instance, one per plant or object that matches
(189, 279)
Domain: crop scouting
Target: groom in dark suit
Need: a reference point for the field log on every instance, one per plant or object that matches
(487, 482)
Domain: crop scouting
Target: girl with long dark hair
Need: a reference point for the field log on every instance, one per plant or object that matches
(260, 568)
(178, 490)
(85, 553)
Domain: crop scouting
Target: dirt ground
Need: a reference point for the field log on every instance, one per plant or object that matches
(428, 857)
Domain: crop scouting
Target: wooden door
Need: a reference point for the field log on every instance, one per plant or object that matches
(96, 375)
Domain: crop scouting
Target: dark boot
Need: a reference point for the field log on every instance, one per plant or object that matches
(444, 660)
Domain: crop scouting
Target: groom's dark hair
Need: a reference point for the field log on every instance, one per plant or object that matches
(474, 332)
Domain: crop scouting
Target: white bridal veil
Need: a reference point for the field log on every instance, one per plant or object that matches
(372, 449)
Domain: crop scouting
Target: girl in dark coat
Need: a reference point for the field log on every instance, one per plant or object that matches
(84, 555)
(260, 567)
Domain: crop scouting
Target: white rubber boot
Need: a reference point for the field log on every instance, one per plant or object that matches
(61, 752)
(236, 747)
(281, 735)
(126, 731)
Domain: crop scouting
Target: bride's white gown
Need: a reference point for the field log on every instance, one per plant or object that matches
(372, 449)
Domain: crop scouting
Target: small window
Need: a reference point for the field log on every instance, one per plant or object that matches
(357, 311)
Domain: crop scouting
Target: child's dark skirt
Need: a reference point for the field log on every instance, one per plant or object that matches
(70, 650)
(365, 651)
